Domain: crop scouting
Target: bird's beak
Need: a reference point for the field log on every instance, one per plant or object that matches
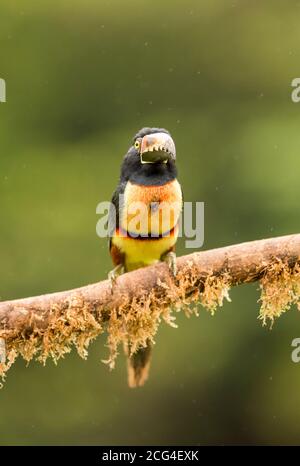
(157, 147)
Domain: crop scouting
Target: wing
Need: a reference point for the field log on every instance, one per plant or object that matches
(113, 223)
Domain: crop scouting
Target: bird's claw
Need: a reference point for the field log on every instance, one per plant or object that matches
(114, 274)
(170, 259)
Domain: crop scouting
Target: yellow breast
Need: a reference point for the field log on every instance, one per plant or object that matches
(148, 211)
(141, 252)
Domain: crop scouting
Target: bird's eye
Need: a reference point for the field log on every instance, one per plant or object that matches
(137, 144)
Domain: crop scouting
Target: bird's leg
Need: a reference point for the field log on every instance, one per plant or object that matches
(114, 274)
(170, 259)
(2, 351)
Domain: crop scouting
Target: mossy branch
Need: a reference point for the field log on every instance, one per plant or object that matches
(49, 325)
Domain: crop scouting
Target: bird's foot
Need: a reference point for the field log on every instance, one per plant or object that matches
(170, 259)
(114, 274)
(2, 351)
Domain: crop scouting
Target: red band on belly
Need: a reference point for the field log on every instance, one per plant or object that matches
(147, 236)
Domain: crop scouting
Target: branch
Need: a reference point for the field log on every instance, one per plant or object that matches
(50, 324)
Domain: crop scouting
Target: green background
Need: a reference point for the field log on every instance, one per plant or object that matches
(82, 78)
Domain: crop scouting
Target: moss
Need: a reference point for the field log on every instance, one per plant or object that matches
(135, 322)
(216, 289)
(72, 324)
(280, 289)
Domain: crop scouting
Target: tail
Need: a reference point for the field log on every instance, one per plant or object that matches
(138, 366)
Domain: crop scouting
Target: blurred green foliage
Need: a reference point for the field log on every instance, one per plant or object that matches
(82, 78)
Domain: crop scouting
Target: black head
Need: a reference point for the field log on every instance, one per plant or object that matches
(151, 158)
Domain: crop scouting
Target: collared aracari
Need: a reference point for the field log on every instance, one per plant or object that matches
(144, 228)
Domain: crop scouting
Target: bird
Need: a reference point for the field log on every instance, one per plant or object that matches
(144, 219)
